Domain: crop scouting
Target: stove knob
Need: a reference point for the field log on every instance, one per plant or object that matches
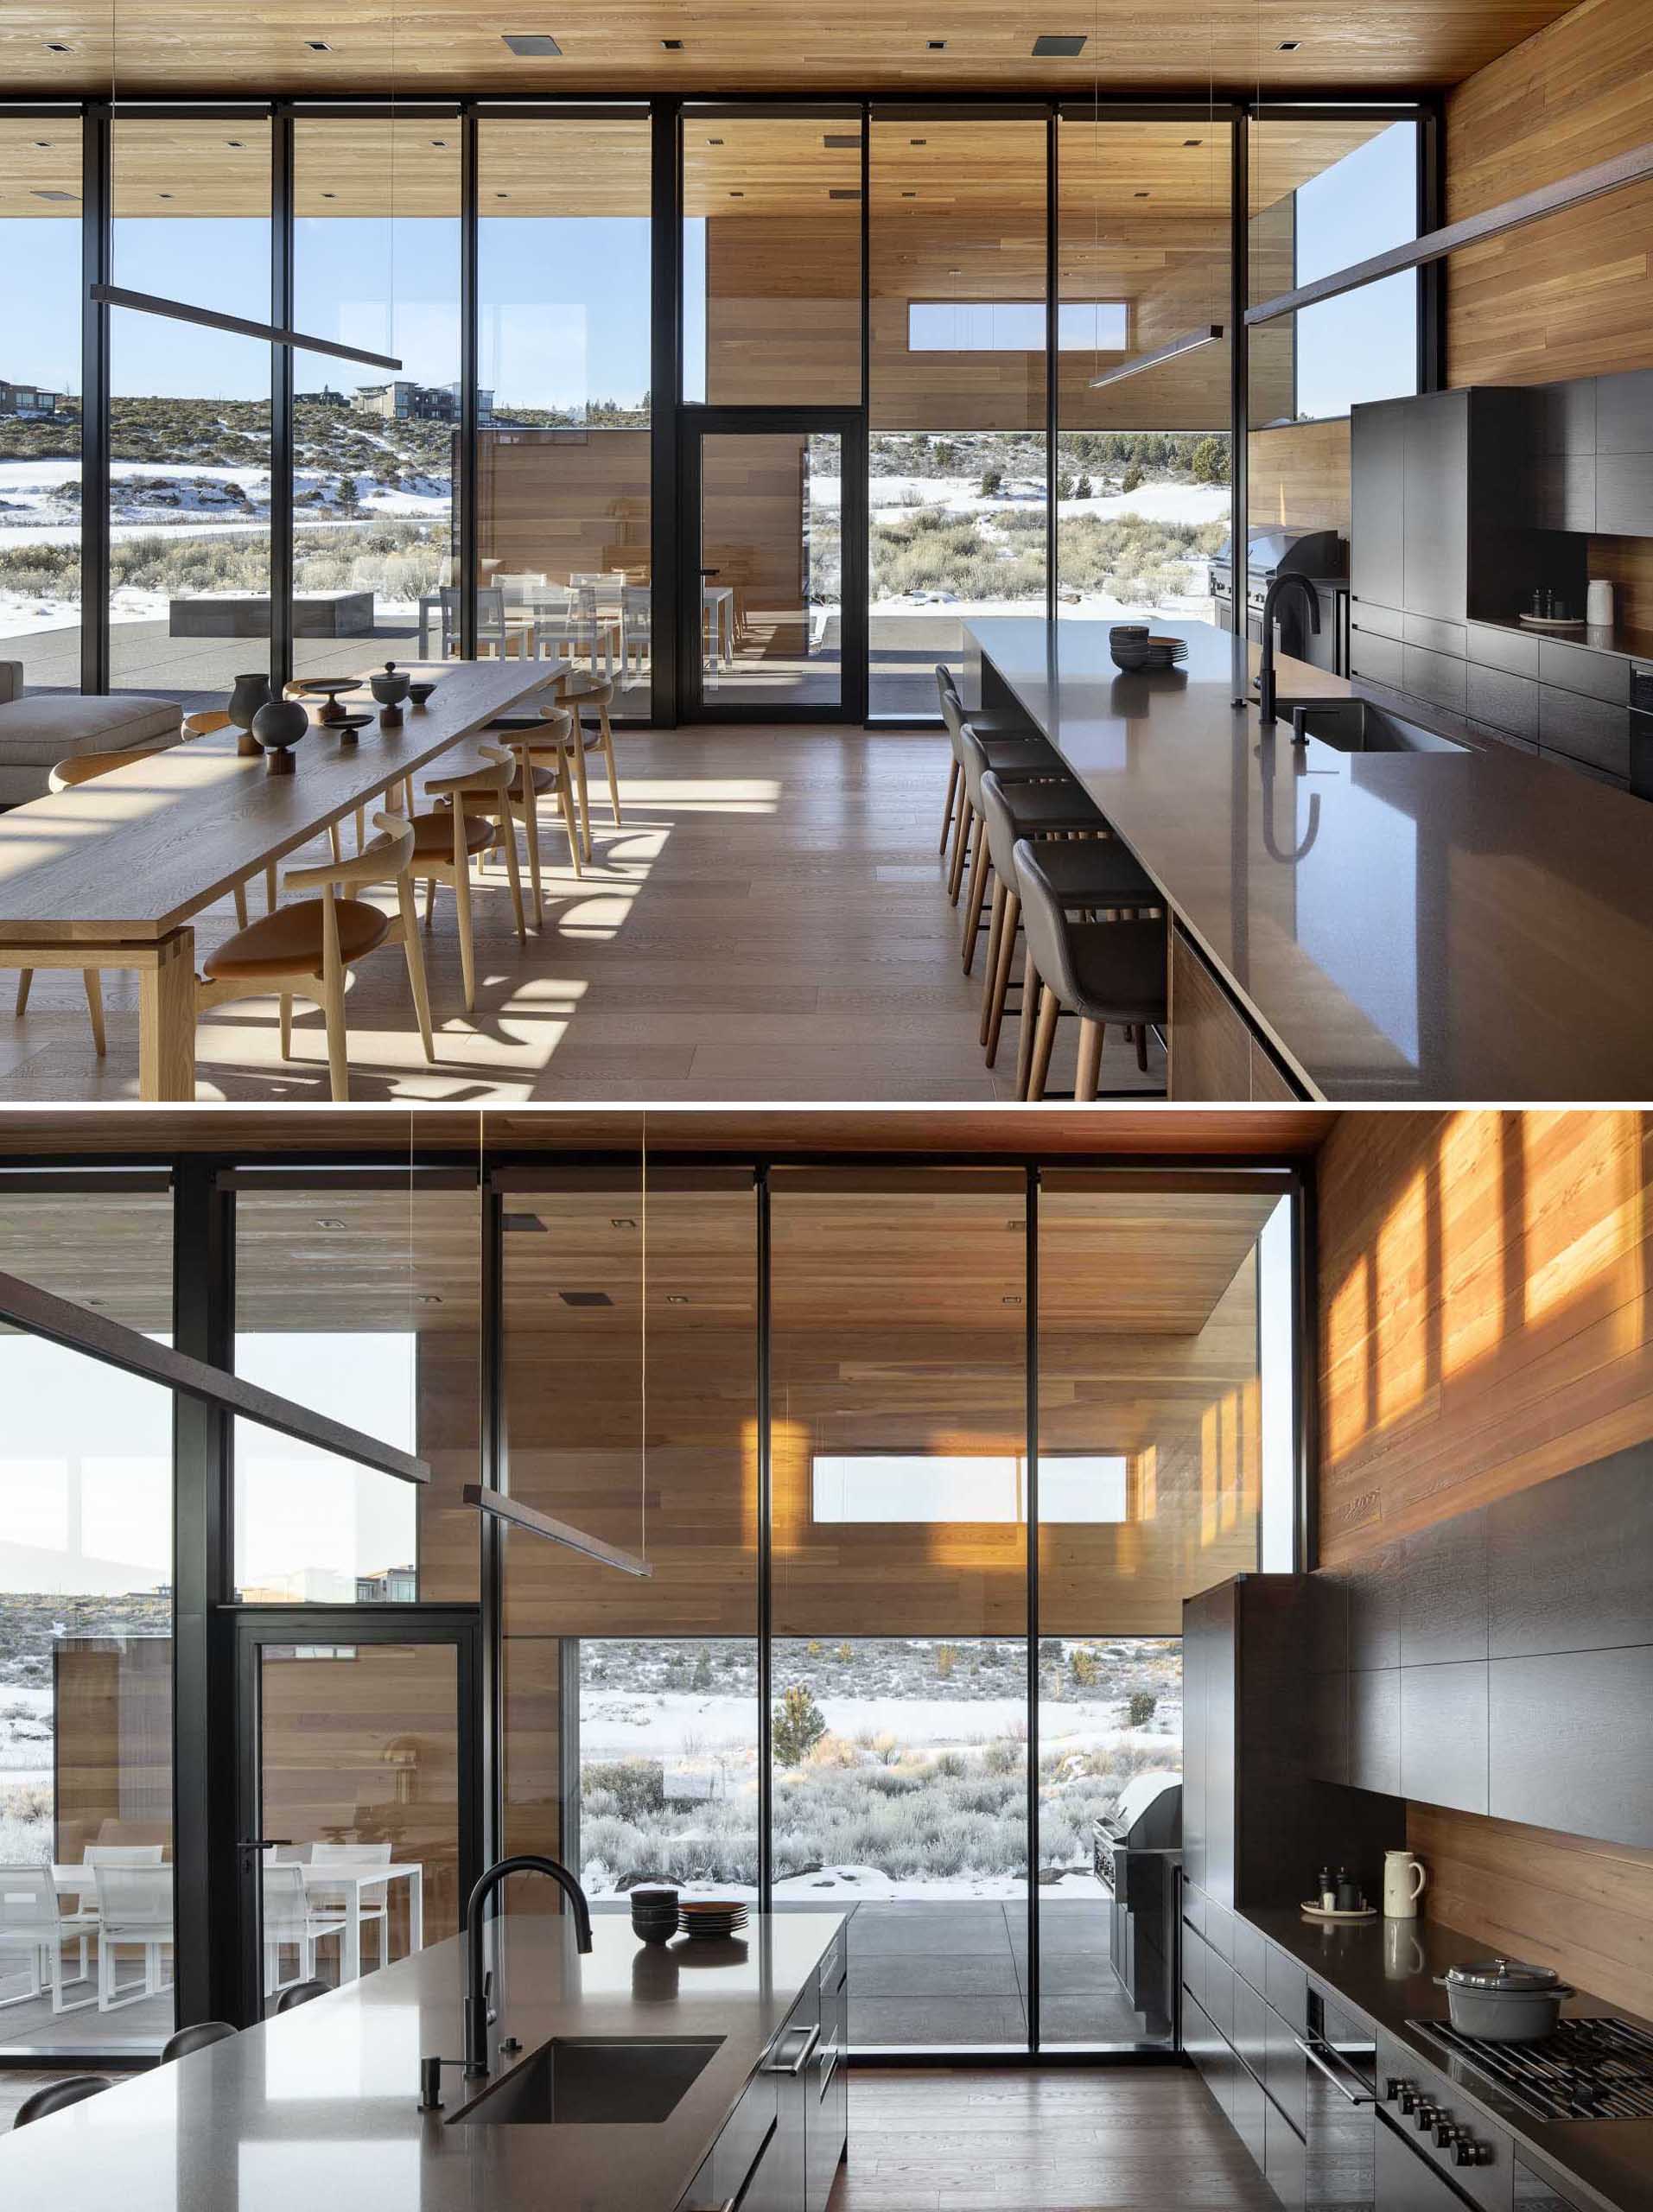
(1446, 2131)
(1425, 2115)
(1466, 2152)
(1398, 2090)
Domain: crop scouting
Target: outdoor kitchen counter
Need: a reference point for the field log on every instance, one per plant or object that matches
(319, 2108)
(1386, 1968)
(1420, 927)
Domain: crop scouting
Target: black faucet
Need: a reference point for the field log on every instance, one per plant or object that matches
(476, 1982)
(1291, 580)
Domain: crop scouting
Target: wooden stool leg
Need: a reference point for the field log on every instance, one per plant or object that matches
(977, 898)
(335, 844)
(287, 1025)
(332, 1003)
(990, 966)
(94, 983)
(1090, 1036)
(508, 831)
(608, 755)
(1025, 1037)
(565, 800)
(25, 978)
(961, 848)
(239, 894)
(467, 946)
(947, 811)
(361, 827)
(960, 806)
(407, 899)
(1001, 976)
(430, 901)
(1044, 1038)
(270, 889)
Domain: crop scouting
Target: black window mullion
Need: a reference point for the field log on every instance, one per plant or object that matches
(765, 1560)
(468, 564)
(96, 258)
(1052, 354)
(1030, 1447)
(665, 399)
(281, 399)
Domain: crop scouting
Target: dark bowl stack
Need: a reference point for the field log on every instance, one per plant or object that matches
(654, 1913)
(1135, 647)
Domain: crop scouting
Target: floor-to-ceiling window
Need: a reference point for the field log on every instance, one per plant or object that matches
(564, 558)
(85, 1631)
(189, 411)
(39, 400)
(375, 252)
(959, 466)
(1142, 453)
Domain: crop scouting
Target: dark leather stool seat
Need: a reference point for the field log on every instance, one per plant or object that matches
(1104, 971)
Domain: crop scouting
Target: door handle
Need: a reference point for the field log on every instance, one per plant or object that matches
(264, 1843)
(1318, 2058)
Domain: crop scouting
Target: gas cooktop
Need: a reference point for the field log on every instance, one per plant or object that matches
(1588, 2070)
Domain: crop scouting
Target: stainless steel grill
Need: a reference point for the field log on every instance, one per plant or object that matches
(1588, 2070)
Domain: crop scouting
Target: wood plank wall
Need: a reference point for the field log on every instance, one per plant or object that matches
(1566, 297)
(112, 1697)
(558, 503)
(1484, 1324)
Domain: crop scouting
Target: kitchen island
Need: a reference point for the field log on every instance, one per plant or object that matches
(1458, 924)
(321, 2106)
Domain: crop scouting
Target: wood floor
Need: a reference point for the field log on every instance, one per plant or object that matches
(770, 924)
(1123, 2139)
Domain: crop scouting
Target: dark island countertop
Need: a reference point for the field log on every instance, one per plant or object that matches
(1416, 927)
(319, 2108)
(1386, 1969)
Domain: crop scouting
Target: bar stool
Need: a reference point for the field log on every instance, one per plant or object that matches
(1096, 873)
(302, 1992)
(991, 723)
(58, 2096)
(1104, 971)
(597, 692)
(291, 952)
(1017, 759)
(200, 2037)
(476, 817)
(1067, 808)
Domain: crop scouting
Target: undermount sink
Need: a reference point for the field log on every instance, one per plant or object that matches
(593, 2081)
(1358, 726)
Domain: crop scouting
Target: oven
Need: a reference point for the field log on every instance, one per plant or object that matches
(1341, 2129)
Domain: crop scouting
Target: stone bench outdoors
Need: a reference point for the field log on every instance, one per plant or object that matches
(47, 726)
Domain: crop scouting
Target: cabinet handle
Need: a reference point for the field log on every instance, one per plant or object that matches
(811, 2037)
(1318, 2057)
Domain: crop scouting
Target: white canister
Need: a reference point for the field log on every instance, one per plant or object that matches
(1598, 604)
(1403, 1880)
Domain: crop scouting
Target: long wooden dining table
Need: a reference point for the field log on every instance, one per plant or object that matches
(110, 874)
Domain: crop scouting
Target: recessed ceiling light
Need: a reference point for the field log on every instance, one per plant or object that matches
(737, 195)
(45, 145)
(713, 141)
(330, 1221)
(585, 1298)
(318, 46)
(237, 142)
(672, 45)
(1193, 142)
(527, 42)
(55, 46)
(621, 1221)
(1013, 1299)
(1289, 45)
(918, 142)
(909, 195)
(502, 195)
(841, 138)
(937, 45)
(429, 1298)
(676, 1298)
(439, 143)
(167, 195)
(39, 195)
(523, 1222)
(843, 192)
(1050, 43)
(1139, 195)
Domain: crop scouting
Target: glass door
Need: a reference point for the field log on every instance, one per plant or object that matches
(773, 599)
(361, 1791)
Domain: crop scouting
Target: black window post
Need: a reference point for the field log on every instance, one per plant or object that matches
(281, 398)
(666, 396)
(96, 238)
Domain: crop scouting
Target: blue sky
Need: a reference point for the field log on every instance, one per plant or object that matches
(565, 302)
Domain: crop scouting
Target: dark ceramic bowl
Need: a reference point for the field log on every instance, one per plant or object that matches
(420, 690)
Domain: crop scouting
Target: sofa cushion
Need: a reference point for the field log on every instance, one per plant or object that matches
(47, 727)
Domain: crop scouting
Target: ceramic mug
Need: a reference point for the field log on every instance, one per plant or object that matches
(1403, 1880)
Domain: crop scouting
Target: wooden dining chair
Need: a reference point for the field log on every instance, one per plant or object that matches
(508, 803)
(596, 693)
(302, 950)
(69, 775)
(446, 840)
(550, 742)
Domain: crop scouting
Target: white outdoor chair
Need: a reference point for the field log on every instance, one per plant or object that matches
(291, 1923)
(636, 627)
(375, 1896)
(494, 635)
(124, 1854)
(134, 1912)
(33, 1925)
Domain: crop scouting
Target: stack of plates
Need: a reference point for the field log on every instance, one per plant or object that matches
(711, 1920)
(1133, 648)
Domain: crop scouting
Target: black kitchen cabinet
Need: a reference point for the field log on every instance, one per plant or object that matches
(1377, 536)
(1406, 2180)
(1624, 413)
(1570, 1743)
(1508, 703)
(1591, 731)
(1435, 524)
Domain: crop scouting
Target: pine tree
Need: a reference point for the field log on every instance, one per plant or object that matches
(799, 1726)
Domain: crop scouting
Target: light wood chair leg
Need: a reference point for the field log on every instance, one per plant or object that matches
(977, 898)
(1090, 1037)
(287, 1025)
(270, 889)
(1044, 1039)
(961, 849)
(332, 1001)
(508, 831)
(1001, 973)
(25, 978)
(530, 822)
(565, 799)
(466, 944)
(335, 844)
(430, 901)
(361, 827)
(582, 792)
(239, 894)
(947, 812)
(1025, 1027)
(604, 725)
(94, 983)
(995, 930)
(407, 899)
(961, 810)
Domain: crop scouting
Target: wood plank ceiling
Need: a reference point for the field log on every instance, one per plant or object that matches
(197, 48)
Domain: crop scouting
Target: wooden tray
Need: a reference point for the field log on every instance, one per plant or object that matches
(1319, 1912)
(1553, 621)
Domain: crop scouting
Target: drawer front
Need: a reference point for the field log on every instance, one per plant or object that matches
(1219, 1994)
(1377, 658)
(1195, 1906)
(1219, 1929)
(1284, 2070)
(1194, 1956)
(1576, 667)
(1285, 1986)
(1509, 703)
(830, 1973)
(1504, 738)
(1247, 2105)
(1205, 2050)
(1251, 1953)
(1436, 676)
(1284, 2159)
(1251, 2016)
(1589, 730)
(1440, 637)
(740, 2144)
(1511, 650)
(1381, 621)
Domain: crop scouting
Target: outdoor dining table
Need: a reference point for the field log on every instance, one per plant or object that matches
(326, 1879)
(111, 874)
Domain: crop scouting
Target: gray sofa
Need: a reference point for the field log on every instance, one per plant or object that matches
(38, 731)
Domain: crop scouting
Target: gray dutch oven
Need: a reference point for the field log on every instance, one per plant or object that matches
(1504, 2001)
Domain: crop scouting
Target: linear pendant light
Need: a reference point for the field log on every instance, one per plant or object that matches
(1207, 334)
(502, 1508)
(114, 295)
(60, 1321)
(1631, 167)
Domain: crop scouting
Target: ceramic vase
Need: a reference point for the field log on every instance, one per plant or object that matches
(278, 725)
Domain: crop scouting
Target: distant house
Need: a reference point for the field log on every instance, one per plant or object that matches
(326, 397)
(404, 401)
(396, 1585)
(28, 401)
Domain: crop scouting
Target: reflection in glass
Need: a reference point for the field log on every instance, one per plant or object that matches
(771, 550)
(40, 407)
